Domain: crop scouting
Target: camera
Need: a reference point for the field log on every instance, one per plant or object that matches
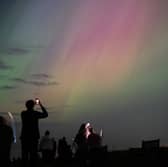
(37, 101)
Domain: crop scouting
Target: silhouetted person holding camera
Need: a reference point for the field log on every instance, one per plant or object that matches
(30, 131)
(6, 139)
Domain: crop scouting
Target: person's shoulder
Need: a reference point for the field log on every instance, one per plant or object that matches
(23, 112)
(36, 112)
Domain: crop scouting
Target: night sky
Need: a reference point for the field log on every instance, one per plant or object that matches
(98, 61)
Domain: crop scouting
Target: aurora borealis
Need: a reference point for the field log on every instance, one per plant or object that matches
(102, 61)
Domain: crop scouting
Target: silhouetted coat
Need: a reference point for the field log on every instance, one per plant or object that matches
(30, 125)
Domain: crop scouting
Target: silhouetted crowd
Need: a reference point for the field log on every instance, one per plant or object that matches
(86, 150)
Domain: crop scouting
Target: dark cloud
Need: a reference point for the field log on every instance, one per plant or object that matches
(4, 66)
(17, 51)
(36, 82)
(19, 80)
(41, 76)
(42, 83)
(7, 87)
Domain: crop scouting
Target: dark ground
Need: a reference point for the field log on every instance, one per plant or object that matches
(131, 158)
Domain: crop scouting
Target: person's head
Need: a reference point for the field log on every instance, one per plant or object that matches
(82, 128)
(2, 121)
(47, 133)
(64, 138)
(30, 104)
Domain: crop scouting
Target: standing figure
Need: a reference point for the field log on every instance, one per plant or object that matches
(6, 139)
(81, 142)
(94, 139)
(95, 148)
(46, 147)
(30, 131)
(64, 150)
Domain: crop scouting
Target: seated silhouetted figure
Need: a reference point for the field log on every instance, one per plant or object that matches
(46, 147)
(30, 132)
(6, 139)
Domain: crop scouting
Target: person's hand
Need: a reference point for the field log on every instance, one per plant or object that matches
(37, 101)
(40, 103)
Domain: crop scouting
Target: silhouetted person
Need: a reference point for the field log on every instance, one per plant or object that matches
(80, 138)
(95, 148)
(94, 139)
(6, 139)
(47, 147)
(82, 147)
(64, 150)
(30, 131)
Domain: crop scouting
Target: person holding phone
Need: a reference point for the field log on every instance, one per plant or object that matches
(30, 134)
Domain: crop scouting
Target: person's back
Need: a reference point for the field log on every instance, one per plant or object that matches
(94, 139)
(30, 117)
(80, 138)
(62, 145)
(30, 130)
(46, 143)
(30, 127)
(81, 143)
(64, 150)
(46, 147)
(94, 147)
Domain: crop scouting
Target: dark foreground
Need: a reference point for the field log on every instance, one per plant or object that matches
(131, 158)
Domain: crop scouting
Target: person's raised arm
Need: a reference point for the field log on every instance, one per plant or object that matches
(44, 112)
